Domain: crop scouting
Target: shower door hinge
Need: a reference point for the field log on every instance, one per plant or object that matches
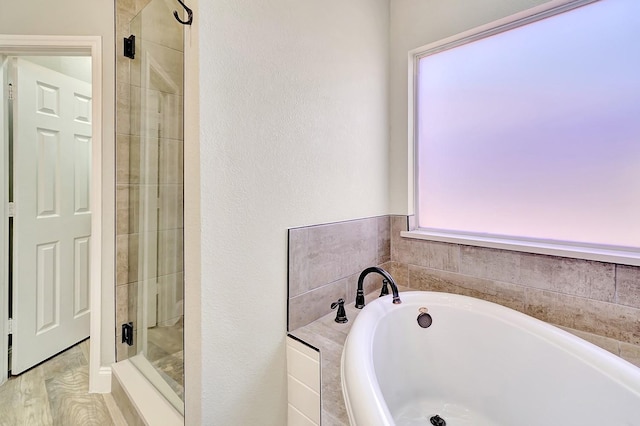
(127, 333)
(11, 325)
(11, 92)
(11, 209)
(130, 46)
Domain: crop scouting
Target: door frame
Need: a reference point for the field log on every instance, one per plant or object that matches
(4, 235)
(102, 287)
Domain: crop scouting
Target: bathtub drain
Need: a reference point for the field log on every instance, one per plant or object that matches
(437, 421)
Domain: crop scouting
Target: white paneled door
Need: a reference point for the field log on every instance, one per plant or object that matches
(52, 222)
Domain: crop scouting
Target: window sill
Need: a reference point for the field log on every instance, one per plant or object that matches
(620, 255)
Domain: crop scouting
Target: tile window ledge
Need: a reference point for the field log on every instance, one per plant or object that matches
(619, 255)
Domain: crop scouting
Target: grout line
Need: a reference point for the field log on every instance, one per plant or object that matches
(615, 283)
(292, 377)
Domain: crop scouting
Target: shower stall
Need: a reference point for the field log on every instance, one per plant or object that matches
(154, 191)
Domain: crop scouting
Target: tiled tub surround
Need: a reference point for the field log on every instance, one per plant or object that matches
(326, 260)
(599, 302)
(328, 337)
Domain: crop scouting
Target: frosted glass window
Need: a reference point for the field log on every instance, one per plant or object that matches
(535, 132)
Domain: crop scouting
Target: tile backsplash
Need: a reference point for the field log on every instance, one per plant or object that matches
(326, 260)
(598, 301)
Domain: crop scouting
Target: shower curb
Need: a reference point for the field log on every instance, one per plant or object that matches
(138, 400)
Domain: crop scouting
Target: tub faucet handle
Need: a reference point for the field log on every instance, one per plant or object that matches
(341, 315)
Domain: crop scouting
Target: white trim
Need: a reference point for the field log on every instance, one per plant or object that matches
(528, 16)
(102, 335)
(192, 232)
(152, 407)
(412, 70)
(525, 17)
(4, 242)
(620, 255)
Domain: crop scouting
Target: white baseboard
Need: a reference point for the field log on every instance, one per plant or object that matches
(101, 381)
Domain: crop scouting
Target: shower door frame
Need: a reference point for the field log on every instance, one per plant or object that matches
(102, 298)
(148, 221)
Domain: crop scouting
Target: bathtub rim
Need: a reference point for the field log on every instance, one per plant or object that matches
(358, 349)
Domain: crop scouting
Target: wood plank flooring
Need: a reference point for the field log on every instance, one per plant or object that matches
(56, 393)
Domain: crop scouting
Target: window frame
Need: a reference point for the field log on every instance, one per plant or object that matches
(597, 252)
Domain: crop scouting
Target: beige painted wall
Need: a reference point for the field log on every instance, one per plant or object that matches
(293, 113)
(415, 23)
(82, 17)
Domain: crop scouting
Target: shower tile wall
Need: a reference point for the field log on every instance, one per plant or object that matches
(598, 301)
(325, 261)
(162, 43)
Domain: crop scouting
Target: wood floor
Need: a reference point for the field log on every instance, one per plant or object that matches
(56, 393)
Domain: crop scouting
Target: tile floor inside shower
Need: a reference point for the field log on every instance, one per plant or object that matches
(166, 354)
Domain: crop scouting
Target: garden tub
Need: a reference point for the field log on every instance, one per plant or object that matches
(478, 363)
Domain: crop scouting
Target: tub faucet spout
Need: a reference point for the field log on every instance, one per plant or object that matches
(386, 275)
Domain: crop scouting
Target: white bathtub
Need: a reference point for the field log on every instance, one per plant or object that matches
(479, 364)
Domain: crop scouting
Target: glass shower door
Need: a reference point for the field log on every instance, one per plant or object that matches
(156, 199)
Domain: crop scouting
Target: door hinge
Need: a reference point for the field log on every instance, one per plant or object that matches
(127, 333)
(12, 325)
(130, 46)
(11, 209)
(11, 92)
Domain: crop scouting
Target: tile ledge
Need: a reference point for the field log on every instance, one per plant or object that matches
(307, 335)
(610, 254)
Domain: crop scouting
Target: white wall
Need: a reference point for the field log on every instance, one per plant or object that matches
(82, 17)
(293, 131)
(78, 67)
(294, 111)
(415, 23)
